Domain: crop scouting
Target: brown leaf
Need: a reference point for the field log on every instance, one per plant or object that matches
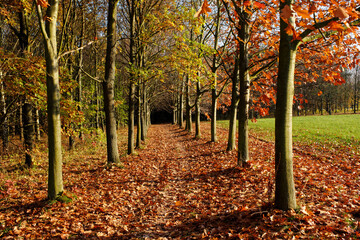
(286, 13)
(341, 13)
(204, 9)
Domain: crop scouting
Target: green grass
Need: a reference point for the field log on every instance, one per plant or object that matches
(334, 129)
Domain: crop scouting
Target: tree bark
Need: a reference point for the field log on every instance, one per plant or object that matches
(79, 73)
(37, 125)
(144, 126)
(284, 181)
(131, 113)
(108, 85)
(214, 67)
(28, 133)
(197, 110)
(138, 122)
(4, 125)
(243, 131)
(48, 28)
(181, 103)
(188, 125)
(233, 108)
(131, 119)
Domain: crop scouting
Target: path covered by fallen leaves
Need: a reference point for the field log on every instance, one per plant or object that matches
(186, 188)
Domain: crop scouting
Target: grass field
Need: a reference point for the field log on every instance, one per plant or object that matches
(334, 129)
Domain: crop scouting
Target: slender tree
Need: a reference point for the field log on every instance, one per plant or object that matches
(108, 85)
(48, 29)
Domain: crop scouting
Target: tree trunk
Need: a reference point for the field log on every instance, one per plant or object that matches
(233, 108)
(131, 119)
(232, 126)
(181, 104)
(243, 135)
(79, 75)
(138, 122)
(143, 113)
(197, 111)
(284, 181)
(28, 133)
(188, 125)
(21, 121)
(4, 125)
(214, 67)
(355, 90)
(131, 116)
(37, 125)
(48, 27)
(108, 85)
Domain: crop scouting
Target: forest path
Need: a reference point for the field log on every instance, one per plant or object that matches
(192, 183)
(179, 187)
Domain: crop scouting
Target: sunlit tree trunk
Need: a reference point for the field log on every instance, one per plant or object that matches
(138, 122)
(79, 72)
(181, 103)
(48, 28)
(108, 85)
(188, 125)
(243, 134)
(233, 108)
(198, 110)
(284, 180)
(37, 125)
(356, 105)
(214, 67)
(144, 126)
(4, 122)
(131, 116)
(21, 119)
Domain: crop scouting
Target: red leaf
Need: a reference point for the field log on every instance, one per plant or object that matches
(42, 3)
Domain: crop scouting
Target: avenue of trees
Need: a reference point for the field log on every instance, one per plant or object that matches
(72, 67)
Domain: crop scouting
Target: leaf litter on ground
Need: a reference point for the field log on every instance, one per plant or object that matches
(179, 187)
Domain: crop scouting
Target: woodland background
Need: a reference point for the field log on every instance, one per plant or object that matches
(79, 72)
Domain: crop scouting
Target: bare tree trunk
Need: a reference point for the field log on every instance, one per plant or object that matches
(214, 67)
(243, 135)
(138, 122)
(55, 182)
(21, 121)
(188, 125)
(233, 108)
(284, 181)
(37, 125)
(197, 111)
(108, 85)
(131, 119)
(4, 125)
(181, 103)
(144, 126)
(29, 133)
(79, 73)
(131, 116)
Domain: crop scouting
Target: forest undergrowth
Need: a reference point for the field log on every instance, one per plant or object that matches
(179, 187)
